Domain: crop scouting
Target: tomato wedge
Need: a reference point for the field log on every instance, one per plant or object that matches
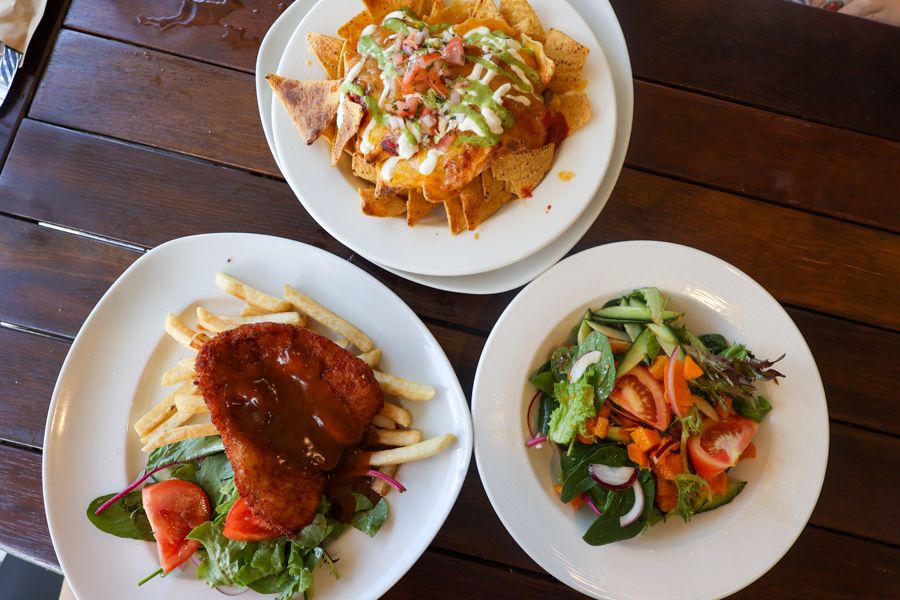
(242, 526)
(174, 508)
(720, 445)
(638, 393)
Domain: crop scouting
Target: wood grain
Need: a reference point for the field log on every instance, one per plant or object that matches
(143, 196)
(23, 530)
(25, 82)
(224, 33)
(757, 153)
(808, 63)
(28, 370)
(155, 99)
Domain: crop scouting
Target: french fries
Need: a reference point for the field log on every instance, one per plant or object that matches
(319, 313)
(419, 451)
(175, 418)
(397, 386)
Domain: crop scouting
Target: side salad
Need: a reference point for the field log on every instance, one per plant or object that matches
(189, 499)
(649, 417)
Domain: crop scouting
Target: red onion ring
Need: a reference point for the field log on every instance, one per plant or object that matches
(387, 479)
(587, 500)
(133, 485)
(528, 420)
(536, 441)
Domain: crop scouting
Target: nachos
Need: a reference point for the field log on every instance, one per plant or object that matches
(462, 104)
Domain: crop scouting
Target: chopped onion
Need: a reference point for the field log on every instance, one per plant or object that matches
(612, 478)
(637, 508)
(454, 97)
(387, 479)
(583, 363)
(587, 500)
(536, 441)
(131, 487)
(662, 450)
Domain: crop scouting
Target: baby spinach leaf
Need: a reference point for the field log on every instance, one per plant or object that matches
(607, 529)
(752, 408)
(185, 451)
(574, 466)
(544, 381)
(370, 520)
(124, 518)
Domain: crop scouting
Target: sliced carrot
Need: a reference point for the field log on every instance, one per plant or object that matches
(749, 452)
(638, 457)
(666, 495)
(645, 438)
(659, 366)
(691, 369)
(601, 428)
(587, 441)
(558, 489)
(668, 467)
(718, 485)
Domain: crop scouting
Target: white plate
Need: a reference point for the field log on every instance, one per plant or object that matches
(602, 20)
(519, 230)
(112, 374)
(717, 553)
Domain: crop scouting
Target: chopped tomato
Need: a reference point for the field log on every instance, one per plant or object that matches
(405, 107)
(678, 394)
(641, 396)
(453, 52)
(446, 142)
(435, 81)
(720, 445)
(242, 526)
(749, 452)
(174, 508)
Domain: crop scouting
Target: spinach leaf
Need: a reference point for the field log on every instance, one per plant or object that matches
(125, 518)
(315, 533)
(752, 408)
(369, 518)
(576, 405)
(561, 363)
(574, 466)
(544, 381)
(713, 342)
(236, 563)
(185, 451)
(216, 477)
(602, 374)
(548, 405)
(606, 528)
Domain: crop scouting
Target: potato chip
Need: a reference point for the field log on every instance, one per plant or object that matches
(546, 67)
(574, 107)
(312, 105)
(569, 57)
(522, 17)
(352, 29)
(349, 117)
(385, 205)
(328, 51)
(378, 9)
(523, 171)
(486, 9)
(363, 168)
(475, 206)
(417, 207)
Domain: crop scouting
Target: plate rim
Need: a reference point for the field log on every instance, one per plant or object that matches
(464, 443)
(611, 109)
(816, 384)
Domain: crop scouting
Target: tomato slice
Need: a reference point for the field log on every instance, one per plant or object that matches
(720, 445)
(174, 508)
(242, 526)
(638, 393)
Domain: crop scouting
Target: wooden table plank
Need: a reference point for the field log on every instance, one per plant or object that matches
(20, 93)
(153, 98)
(143, 196)
(761, 154)
(224, 33)
(28, 371)
(773, 54)
(23, 530)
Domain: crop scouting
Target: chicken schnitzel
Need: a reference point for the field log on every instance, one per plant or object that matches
(287, 403)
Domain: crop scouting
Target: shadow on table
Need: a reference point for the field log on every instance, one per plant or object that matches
(20, 579)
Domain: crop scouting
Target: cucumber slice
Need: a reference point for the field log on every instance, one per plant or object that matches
(734, 488)
(636, 353)
(630, 314)
(618, 434)
(583, 331)
(610, 332)
(665, 336)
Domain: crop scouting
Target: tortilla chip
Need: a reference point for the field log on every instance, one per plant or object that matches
(381, 206)
(352, 114)
(546, 67)
(456, 12)
(521, 172)
(363, 168)
(574, 107)
(379, 8)
(429, 198)
(417, 207)
(312, 105)
(494, 190)
(476, 208)
(486, 9)
(522, 17)
(352, 29)
(330, 132)
(455, 217)
(328, 51)
(569, 57)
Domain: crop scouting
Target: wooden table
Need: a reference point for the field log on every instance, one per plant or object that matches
(765, 133)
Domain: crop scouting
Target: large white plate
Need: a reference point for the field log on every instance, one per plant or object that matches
(112, 374)
(519, 230)
(718, 552)
(602, 20)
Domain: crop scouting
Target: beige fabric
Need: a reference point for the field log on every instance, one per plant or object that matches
(18, 20)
